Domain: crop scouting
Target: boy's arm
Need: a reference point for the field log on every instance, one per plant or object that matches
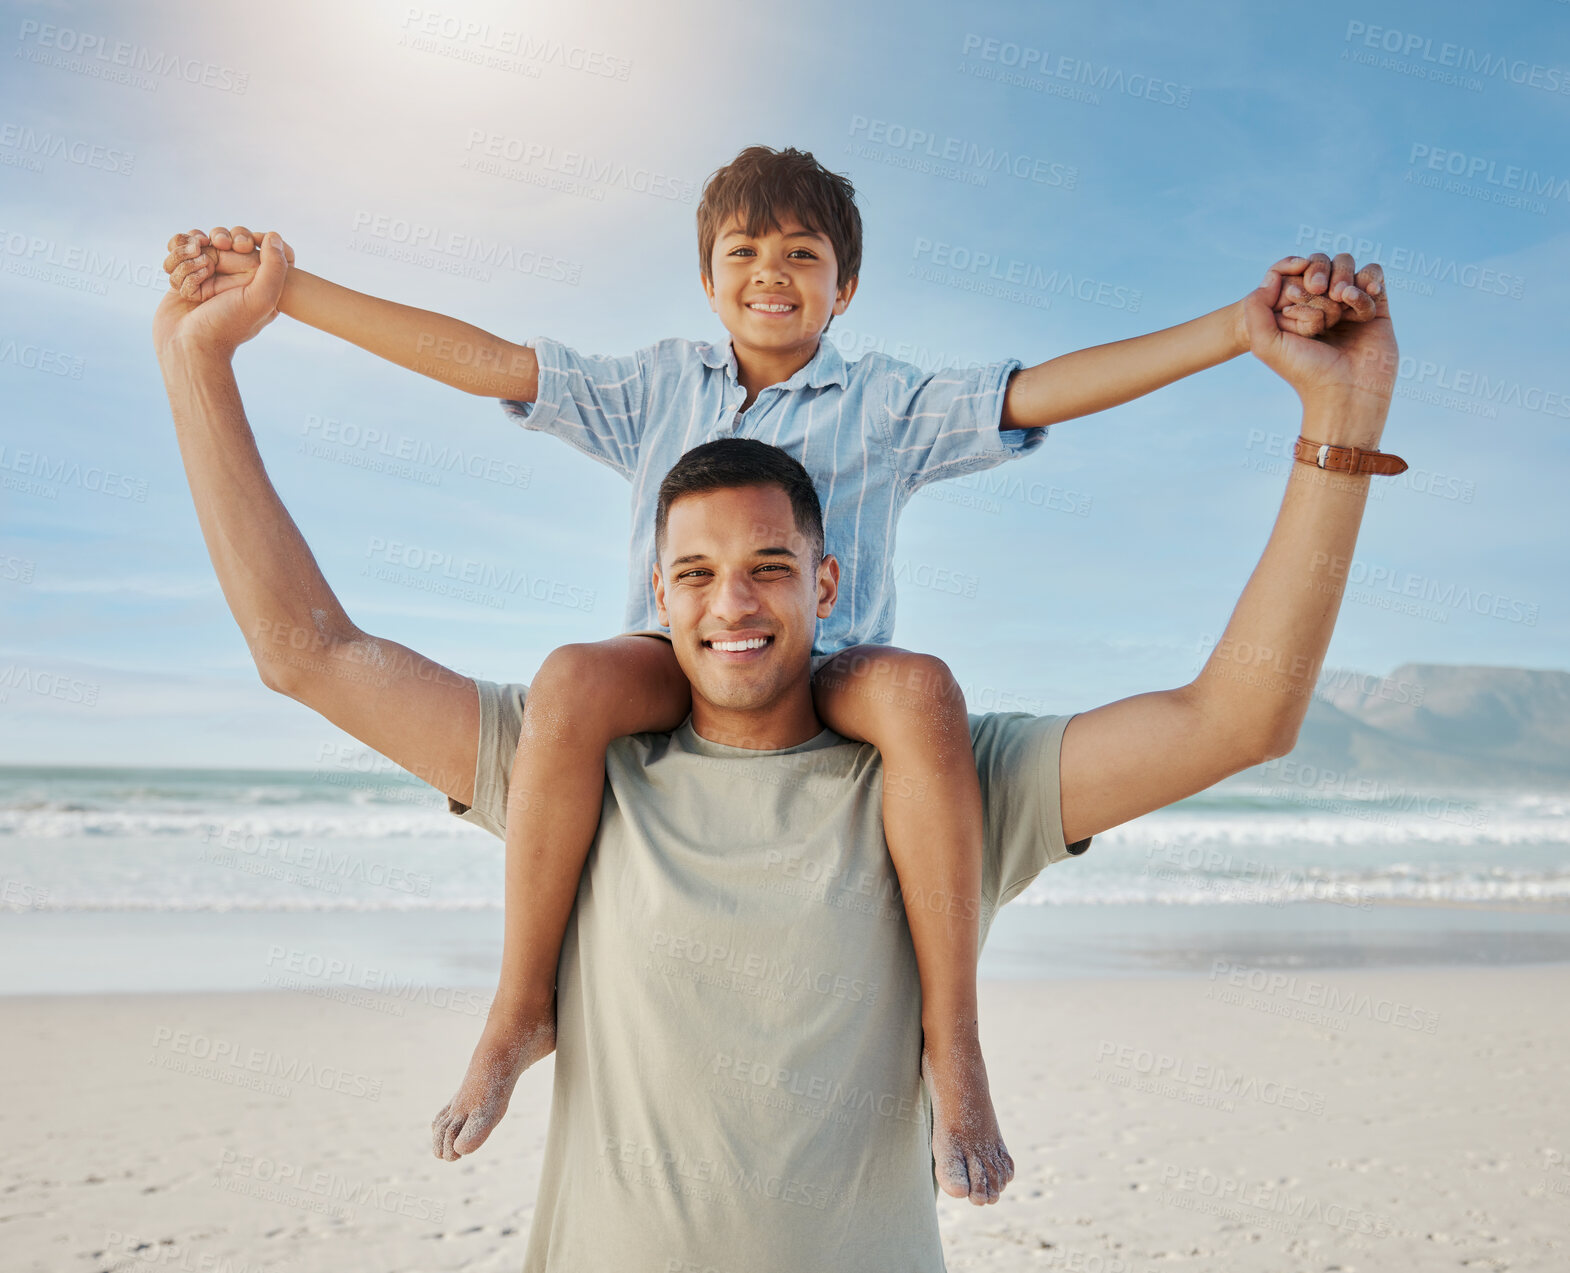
(1103, 376)
(445, 349)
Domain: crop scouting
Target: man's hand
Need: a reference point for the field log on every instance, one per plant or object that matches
(200, 265)
(1317, 293)
(1350, 370)
(221, 323)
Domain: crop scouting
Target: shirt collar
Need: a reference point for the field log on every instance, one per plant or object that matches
(826, 367)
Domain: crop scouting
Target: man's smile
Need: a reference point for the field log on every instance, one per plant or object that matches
(739, 647)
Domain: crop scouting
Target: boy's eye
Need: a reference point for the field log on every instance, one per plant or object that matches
(808, 252)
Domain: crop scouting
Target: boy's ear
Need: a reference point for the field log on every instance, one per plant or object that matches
(845, 293)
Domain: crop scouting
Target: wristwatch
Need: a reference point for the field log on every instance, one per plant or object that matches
(1347, 459)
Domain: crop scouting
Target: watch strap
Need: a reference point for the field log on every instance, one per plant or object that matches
(1347, 459)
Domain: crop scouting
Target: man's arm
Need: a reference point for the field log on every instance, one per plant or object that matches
(445, 349)
(1248, 702)
(409, 708)
(1090, 380)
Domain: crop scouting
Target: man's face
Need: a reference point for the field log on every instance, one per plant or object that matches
(736, 571)
(790, 266)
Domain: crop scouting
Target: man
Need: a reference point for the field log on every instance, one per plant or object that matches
(737, 1081)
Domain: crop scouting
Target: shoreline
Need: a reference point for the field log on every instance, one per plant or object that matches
(44, 952)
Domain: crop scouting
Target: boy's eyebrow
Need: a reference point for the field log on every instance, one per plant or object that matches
(777, 550)
(794, 234)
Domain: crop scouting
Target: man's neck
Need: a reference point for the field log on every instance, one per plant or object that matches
(787, 723)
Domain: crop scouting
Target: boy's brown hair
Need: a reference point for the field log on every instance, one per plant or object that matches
(761, 185)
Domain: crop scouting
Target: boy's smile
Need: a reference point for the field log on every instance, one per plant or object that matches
(775, 293)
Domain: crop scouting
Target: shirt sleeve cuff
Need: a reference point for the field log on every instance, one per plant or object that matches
(501, 721)
(540, 413)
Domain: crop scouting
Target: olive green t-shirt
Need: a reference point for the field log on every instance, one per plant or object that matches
(737, 1079)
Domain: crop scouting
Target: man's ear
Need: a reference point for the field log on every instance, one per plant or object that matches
(828, 585)
(659, 599)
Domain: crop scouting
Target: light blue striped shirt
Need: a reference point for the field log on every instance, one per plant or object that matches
(870, 433)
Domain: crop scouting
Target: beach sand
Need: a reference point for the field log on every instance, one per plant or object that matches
(1352, 1119)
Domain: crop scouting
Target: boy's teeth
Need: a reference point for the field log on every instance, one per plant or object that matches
(773, 309)
(736, 647)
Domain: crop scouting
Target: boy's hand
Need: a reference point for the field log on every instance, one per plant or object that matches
(1314, 294)
(201, 265)
(1317, 293)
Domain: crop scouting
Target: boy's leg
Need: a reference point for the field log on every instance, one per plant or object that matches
(910, 708)
(582, 697)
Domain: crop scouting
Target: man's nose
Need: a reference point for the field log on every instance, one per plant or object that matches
(733, 597)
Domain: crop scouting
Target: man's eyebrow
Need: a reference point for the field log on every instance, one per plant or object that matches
(777, 550)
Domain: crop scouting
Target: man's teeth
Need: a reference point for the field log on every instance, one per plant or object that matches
(736, 647)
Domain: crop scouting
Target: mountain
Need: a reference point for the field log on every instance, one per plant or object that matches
(1434, 725)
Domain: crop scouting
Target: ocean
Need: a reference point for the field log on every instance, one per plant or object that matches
(188, 879)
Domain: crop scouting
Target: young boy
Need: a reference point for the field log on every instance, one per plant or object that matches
(779, 255)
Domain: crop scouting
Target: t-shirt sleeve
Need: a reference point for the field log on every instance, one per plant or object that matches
(945, 423)
(594, 402)
(501, 721)
(1022, 813)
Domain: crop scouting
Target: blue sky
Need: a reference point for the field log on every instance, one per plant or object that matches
(1184, 149)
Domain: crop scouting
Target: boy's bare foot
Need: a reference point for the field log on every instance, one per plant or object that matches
(967, 1148)
(510, 1044)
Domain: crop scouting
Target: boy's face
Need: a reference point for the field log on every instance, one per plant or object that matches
(790, 265)
(736, 570)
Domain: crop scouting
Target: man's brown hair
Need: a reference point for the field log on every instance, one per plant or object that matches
(760, 186)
